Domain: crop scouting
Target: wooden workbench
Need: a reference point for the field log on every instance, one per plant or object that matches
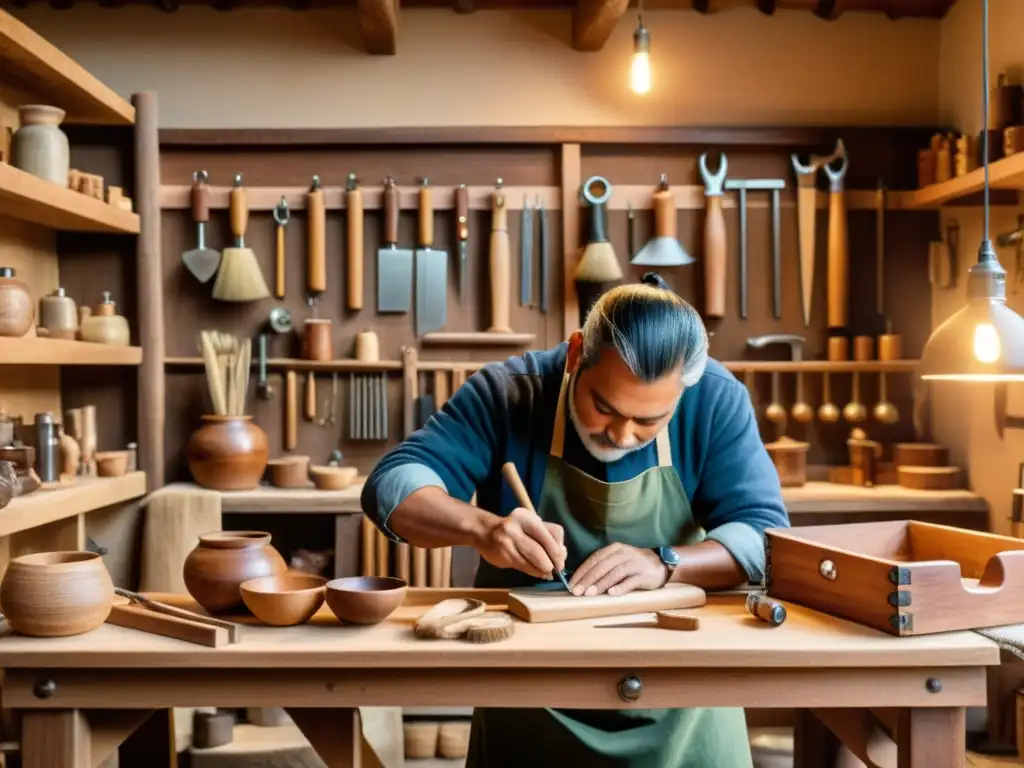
(321, 671)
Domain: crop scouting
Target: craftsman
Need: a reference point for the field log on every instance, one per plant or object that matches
(661, 477)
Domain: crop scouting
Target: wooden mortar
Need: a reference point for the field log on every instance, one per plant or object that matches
(790, 459)
(289, 471)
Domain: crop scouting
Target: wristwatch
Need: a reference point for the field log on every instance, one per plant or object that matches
(668, 556)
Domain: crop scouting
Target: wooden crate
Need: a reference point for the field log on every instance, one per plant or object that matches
(901, 577)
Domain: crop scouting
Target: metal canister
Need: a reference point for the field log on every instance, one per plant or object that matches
(764, 608)
(133, 456)
(47, 448)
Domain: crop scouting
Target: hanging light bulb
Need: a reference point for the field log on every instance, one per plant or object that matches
(640, 67)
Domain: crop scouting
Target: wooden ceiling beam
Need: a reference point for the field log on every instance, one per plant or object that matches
(378, 24)
(593, 22)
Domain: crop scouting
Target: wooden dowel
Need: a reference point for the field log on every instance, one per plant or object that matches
(368, 560)
(419, 567)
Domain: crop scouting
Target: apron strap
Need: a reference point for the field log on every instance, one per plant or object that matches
(664, 445)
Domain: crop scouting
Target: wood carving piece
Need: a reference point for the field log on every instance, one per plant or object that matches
(539, 606)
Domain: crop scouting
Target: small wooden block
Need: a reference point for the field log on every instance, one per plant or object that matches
(677, 620)
(931, 478)
(113, 195)
(96, 187)
(125, 204)
(145, 620)
(75, 180)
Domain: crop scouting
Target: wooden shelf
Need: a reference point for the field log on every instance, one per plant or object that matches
(295, 364)
(482, 339)
(1007, 173)
(29, 198)
(267, 498)
(33, 350)
(821, 366)
(44, 72)
(83, 495)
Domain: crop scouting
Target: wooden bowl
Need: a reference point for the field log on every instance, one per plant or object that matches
(333, 478)
(112, 463)
(289, 471)
(365, 599)
(286, 600)
(56, 594)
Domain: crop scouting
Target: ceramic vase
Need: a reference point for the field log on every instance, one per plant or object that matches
(219, 564)
(227, 453)
(56, 594)
(16, 309)
(39, 146)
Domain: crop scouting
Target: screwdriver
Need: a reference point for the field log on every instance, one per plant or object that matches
(511, 474)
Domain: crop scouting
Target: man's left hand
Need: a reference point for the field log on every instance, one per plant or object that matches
(618, 569)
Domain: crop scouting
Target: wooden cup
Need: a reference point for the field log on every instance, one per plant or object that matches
(890, 346)
(316, 340)
(838, 348)
(367, 347)
(863, 348)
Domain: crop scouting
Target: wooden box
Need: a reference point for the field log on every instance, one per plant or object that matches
(901, 577)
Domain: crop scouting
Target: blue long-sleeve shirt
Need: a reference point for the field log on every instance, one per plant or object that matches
(506, 412)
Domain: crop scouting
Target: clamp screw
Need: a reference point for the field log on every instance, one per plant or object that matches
(44, 689)
(933, 684)
(630, 688)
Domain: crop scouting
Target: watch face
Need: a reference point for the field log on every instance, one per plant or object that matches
(669, 556)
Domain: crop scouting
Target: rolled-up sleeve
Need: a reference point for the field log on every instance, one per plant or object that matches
(397, 483)
(738, 495)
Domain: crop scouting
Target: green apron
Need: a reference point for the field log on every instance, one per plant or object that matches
(648, 511)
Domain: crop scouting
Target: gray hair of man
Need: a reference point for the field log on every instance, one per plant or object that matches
(651, 327)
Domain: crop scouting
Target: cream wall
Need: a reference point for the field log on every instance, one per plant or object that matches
(992, 463)
(278, 68)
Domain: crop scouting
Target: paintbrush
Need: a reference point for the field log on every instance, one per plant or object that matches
(516, 484)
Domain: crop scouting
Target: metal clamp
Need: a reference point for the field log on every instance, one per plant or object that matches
(714, 183)
(630, 688)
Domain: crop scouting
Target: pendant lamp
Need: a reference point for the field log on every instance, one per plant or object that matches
(984, 341)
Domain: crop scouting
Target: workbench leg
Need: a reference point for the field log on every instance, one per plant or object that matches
(334, 734)
(814, 745)
(53, 738)
(933, 737)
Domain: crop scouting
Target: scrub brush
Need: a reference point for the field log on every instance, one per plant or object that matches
(491, 628)
(239, 277)
(598, 262)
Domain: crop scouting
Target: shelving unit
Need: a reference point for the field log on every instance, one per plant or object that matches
(79, 497)
(1007, 173)
(33, 350)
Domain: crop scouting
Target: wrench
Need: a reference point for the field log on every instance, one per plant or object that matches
(838, 246)
(714, 238)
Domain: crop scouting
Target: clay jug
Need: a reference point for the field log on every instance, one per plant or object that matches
(221, 561)
(56, 594)
(39, 146)
(105, 326)
(227, 453)
(16, 310)
(58, 316)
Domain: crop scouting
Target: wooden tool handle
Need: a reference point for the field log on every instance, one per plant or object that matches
(511, 475)
(200, 201)
(310, 405)
(499, 212)
(426, 218)
(291, 411)
(838, 263)
(500, 264)
(316, 253)
(806, 210)
(664, 213)
(462, 211)
(390, 196)
(714, 258)
(402, 561)
(368, 546)
(354, 204)
(239, 211)
(383, 564)
(436, 560)
(279, 264)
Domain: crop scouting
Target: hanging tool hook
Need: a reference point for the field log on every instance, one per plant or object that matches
(713, 182)
(200, 177)
(835, 176)
(281, 212)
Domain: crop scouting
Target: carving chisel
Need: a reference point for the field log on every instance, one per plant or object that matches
(526, 255)
(545, 256)
(511, 474)
(462, 214)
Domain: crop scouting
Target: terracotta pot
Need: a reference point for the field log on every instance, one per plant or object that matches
(16, 309)
(112, 463)
(56, 594)
(39, 146)
(216, 568)
(227, 453)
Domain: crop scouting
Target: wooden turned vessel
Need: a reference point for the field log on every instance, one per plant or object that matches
(289, 472)
(215, 569)
(790, 459)
(56, 594)
(921, 455)
(931, 478)
(227, 453)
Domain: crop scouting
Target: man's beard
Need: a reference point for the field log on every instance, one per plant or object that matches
(600, 446)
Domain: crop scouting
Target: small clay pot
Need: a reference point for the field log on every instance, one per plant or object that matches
(333, 478)
(289, 472)
(112, 463)
(227, 453)
(221, 561)
(56, 594)
(39, 146)
(365, 599)
(16, 309)
(317, 343)
(284, 601)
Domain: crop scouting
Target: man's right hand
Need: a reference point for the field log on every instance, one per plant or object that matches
(524, 542)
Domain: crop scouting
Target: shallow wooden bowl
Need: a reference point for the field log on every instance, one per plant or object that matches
(286, 600)
(289, 471)
(365, 599)
(112, 463)
(56, 594)
(333, 478)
